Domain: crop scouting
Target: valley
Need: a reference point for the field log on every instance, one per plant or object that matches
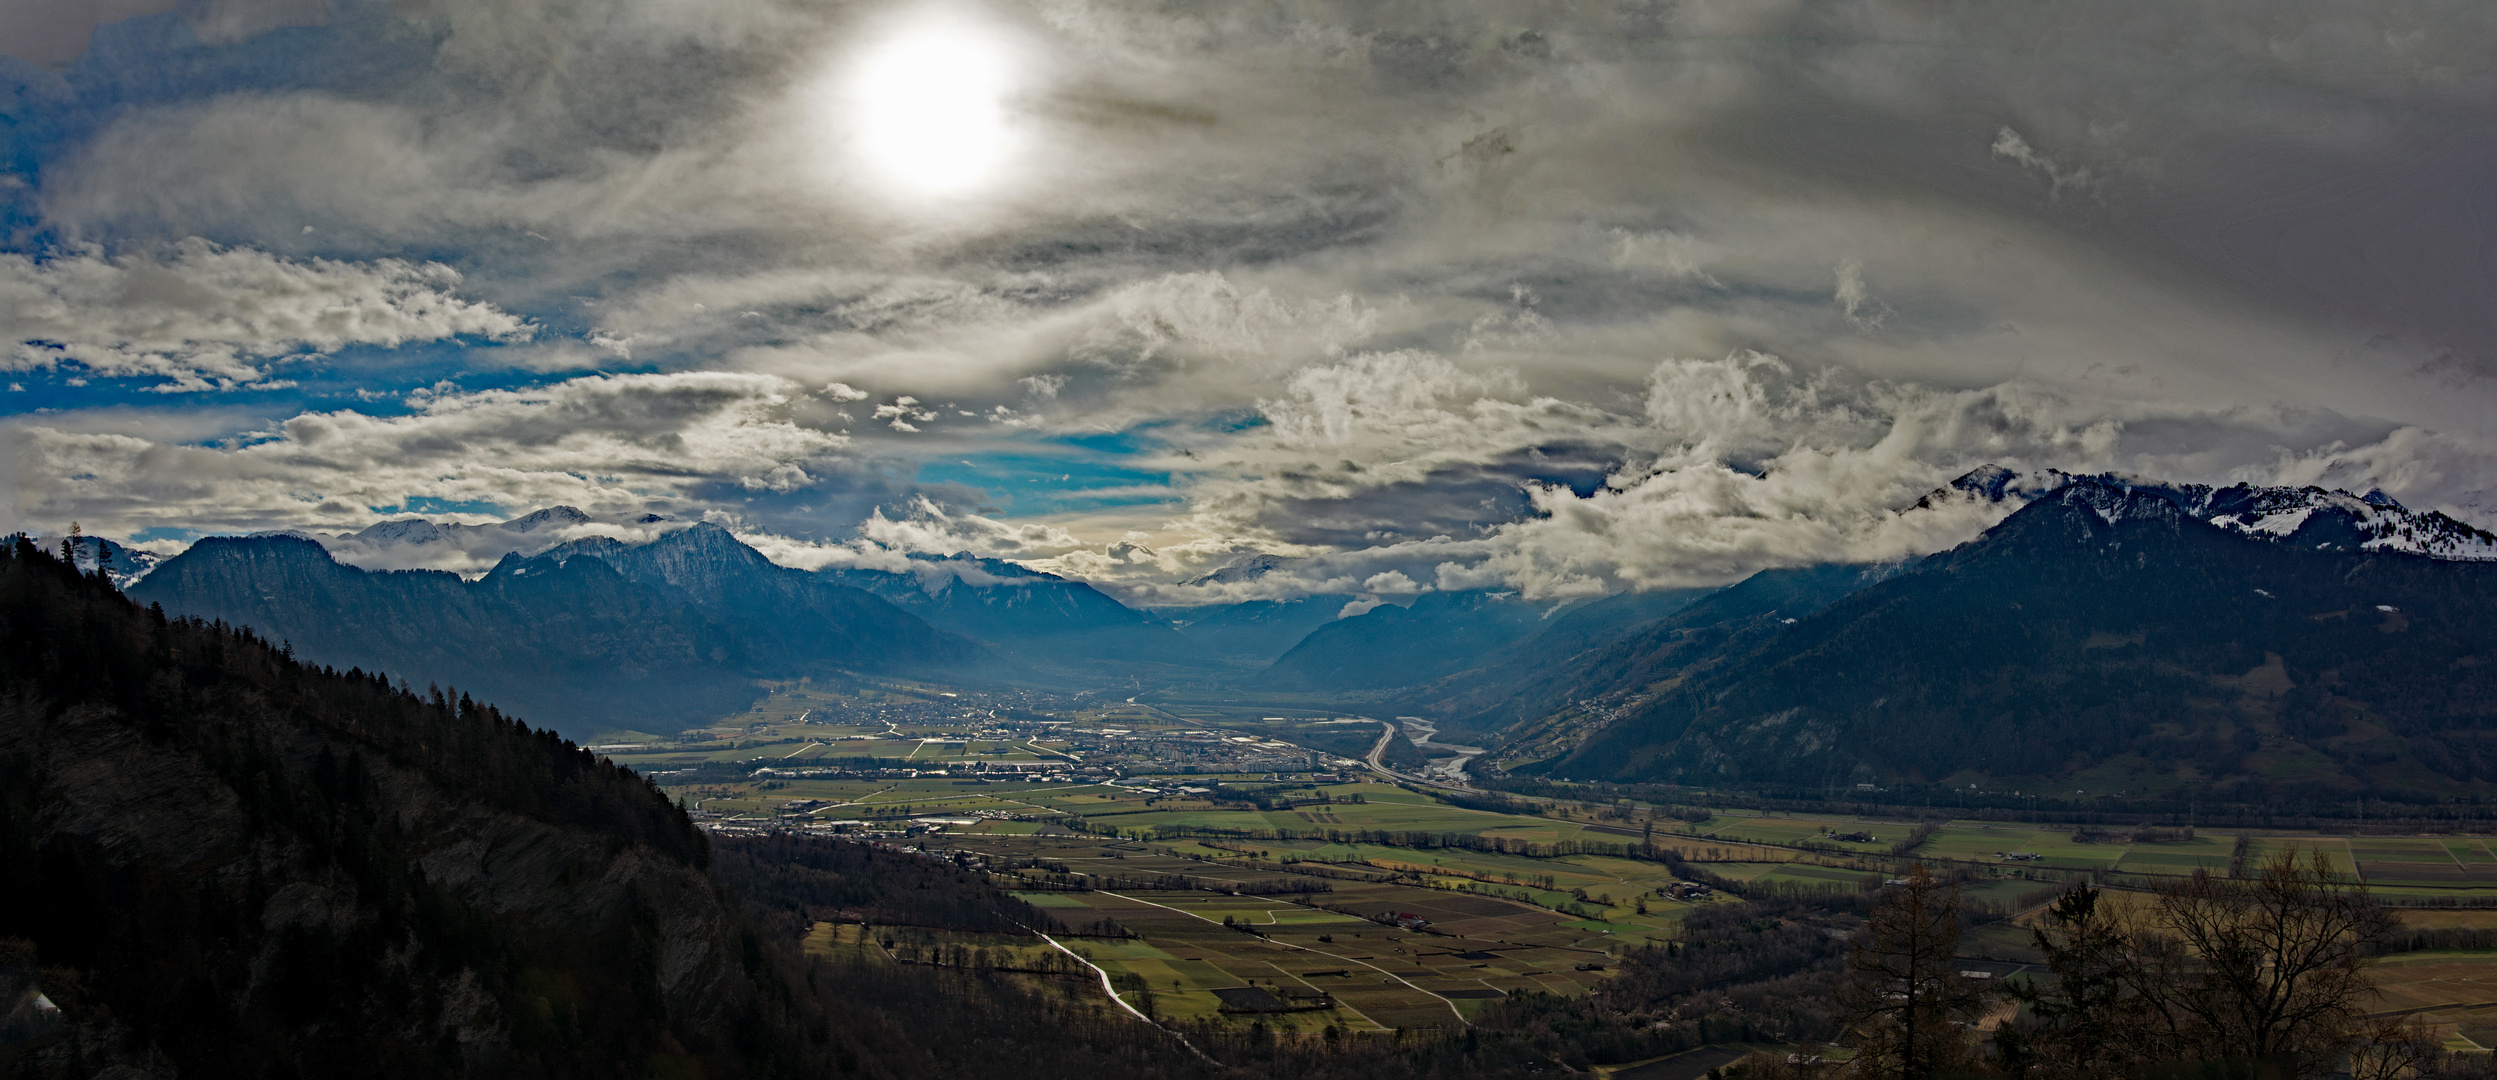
(1237, 869)
(1472, 834)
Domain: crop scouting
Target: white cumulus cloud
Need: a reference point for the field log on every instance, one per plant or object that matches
(203, 317)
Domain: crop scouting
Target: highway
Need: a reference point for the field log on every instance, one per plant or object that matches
(1377, 760)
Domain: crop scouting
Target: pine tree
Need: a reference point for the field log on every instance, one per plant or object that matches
(1904, 997)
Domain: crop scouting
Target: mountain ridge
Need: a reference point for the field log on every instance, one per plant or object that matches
(572, 642)
(2308, 516)
(2102, 633)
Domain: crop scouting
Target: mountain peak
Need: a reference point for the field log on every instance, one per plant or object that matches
(126, 565)
(2309, 516)
(553, 517)
(1245, 568)
(408, 530)
(2114, 501)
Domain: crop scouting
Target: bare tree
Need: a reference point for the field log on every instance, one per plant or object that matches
(2269, 969)
(2395, 1048)
(1905, 1000)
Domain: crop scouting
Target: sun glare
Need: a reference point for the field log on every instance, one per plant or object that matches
(932, 108)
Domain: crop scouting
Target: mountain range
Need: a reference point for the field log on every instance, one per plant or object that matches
(2307, 517)
(659, 636)
(2101, 639)
(595, 631)
(1043, 620)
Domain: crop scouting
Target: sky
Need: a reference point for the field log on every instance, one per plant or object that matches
(1559, 298)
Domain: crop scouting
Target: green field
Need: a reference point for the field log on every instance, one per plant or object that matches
(1475, 948)
(1305, 873)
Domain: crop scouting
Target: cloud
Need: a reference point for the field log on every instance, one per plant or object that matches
(1555, 299)
(204, 317)
(471, 549)
(1862, 310)
(2009, 146)
(610, 445)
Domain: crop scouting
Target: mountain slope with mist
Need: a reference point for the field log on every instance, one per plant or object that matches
(1031, 616)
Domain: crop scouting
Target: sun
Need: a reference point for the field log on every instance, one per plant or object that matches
(931, 107)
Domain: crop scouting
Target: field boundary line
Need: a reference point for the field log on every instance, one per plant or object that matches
(1452, 1006)
(1106, 988)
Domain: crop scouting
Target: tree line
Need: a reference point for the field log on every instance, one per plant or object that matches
(2264, 976)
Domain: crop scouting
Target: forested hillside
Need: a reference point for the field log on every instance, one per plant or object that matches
(231, 864)
(1615, 646)
(2101, 636)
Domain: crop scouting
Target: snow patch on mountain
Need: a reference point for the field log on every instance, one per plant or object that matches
(2310, 517)
(121, 562)
(1244, 568)
(471, 550)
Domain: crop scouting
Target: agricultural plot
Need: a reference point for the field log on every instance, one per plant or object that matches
(2450, 918)
(2336, 851)
(1185, 954)
(1473, 948)
(2179, 858)
(1822, 877)
(2386, 861)
(2443, 987)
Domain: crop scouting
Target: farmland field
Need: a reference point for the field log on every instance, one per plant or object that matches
(1372, 904)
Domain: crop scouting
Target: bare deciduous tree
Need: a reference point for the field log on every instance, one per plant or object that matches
(2266, 971)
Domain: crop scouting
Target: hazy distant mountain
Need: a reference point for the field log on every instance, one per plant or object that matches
(1571, 655)
(789, 619)
(415, 543)
(1256, 631)
(2103, 638)
(1390, 646)
(1029, 615)
(570, 641)
(2308, 517)
(1244, 568)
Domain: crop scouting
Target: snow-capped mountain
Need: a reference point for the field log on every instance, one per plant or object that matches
(1244, 568)
(126, 565)
(2309, 517)
(468, 550)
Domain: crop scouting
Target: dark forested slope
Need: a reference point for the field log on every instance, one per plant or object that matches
(230, 864)
(2103, 637)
